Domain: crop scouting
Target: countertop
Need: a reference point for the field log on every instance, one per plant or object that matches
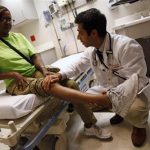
(45, 47)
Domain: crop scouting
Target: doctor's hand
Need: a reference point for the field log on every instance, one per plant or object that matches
(20, 80)
(48, 81)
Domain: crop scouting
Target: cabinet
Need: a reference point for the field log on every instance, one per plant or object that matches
(47, 53)
(135, 29)
(48, 56)
(139, 30)
(22, 11)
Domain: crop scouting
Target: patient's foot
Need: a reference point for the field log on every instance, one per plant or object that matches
(98, 132)
(123, 96)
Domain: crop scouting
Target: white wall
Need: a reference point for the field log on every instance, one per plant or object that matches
(44, 34)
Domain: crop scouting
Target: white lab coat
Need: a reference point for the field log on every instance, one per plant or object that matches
(128, 58)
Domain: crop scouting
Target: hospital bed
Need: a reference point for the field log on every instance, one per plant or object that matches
(33, 124)
(24, 115)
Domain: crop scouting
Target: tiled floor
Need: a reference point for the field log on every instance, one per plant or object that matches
(78, 141)
(121, 136)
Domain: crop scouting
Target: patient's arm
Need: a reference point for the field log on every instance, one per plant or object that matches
(12, 75)
(76, 96)
(38, 63)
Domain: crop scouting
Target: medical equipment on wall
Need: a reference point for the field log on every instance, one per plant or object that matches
(64, 18)
(47, 17)
(62, 3)
(64, 23)
(53, 8)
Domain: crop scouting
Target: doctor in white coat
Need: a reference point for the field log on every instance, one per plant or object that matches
(114, 58)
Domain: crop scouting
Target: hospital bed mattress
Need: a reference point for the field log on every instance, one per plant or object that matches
(13, 107)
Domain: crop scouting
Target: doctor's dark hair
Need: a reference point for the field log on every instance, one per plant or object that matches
(92, 19)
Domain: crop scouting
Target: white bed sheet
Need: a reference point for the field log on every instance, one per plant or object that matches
(66, 61)
(13, 107)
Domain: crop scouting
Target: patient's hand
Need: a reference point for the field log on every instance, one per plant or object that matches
(20, 80)
(46, 73)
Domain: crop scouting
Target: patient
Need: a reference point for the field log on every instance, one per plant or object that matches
(25, 74)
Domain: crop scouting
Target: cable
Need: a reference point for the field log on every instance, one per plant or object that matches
(74, 11)
(75, 40)
(72, 32)
(74, 8)
(74, 15)
(57, 37)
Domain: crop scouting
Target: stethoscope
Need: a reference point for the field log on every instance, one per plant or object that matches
(104, 66)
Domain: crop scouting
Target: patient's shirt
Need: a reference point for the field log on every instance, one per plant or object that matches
(12, 61)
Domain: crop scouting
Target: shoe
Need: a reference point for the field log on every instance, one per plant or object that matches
(123, 96)
(116, 119)
(138, 136)
(98, 132)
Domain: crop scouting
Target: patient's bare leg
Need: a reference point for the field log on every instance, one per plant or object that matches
(77, 96)
(120, 98)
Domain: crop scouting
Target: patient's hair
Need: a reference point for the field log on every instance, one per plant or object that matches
(2, 9)
(92, 19)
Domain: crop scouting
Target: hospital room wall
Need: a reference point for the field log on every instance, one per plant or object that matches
(45, 34)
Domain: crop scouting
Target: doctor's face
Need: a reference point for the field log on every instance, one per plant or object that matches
(86, 40)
